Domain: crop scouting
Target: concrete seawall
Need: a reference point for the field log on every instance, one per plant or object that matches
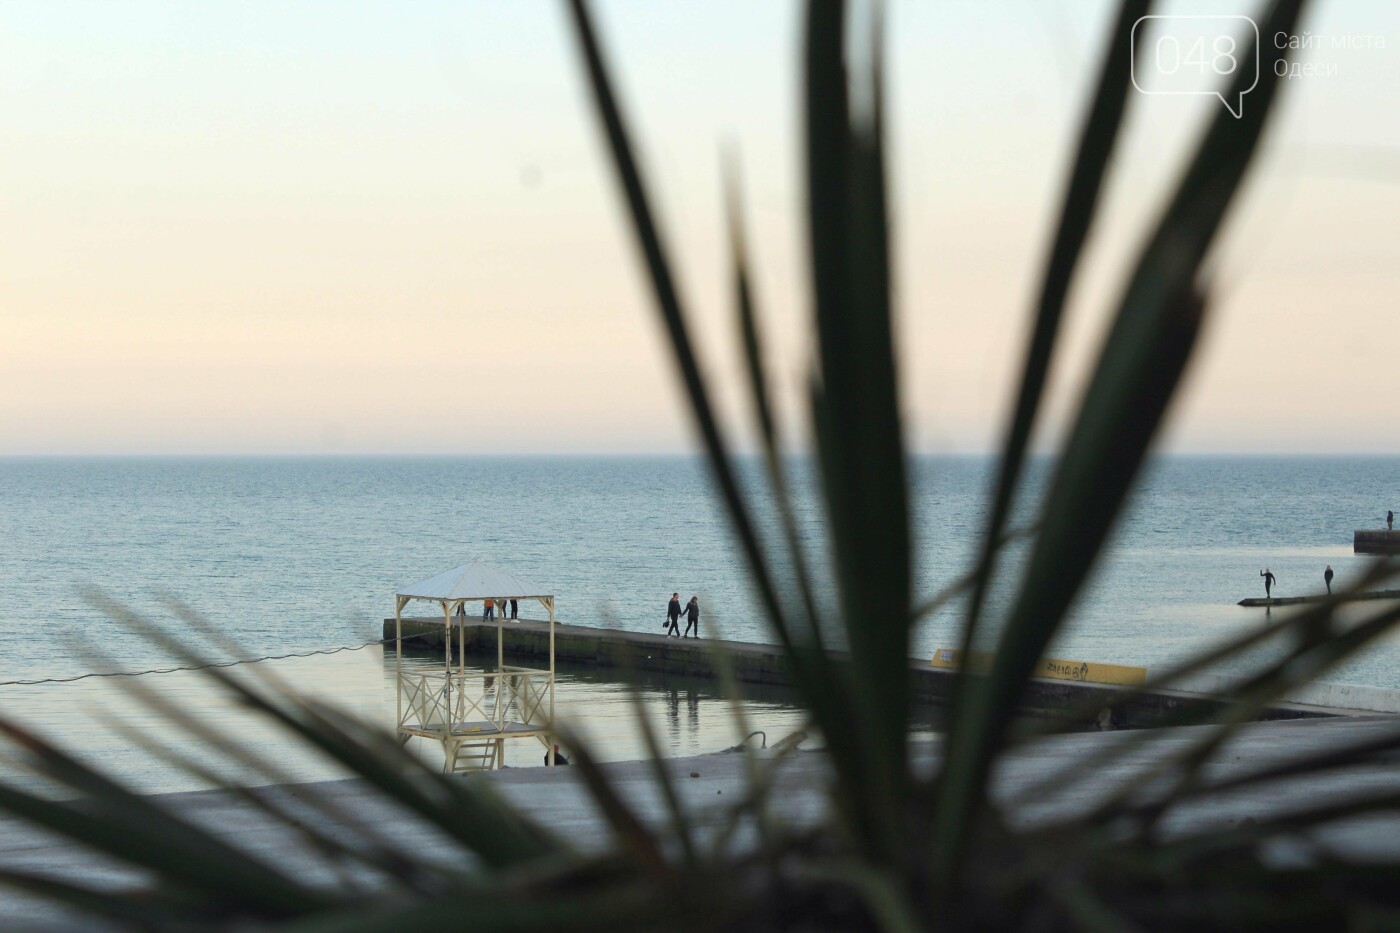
(614, 649)
(1379, 541)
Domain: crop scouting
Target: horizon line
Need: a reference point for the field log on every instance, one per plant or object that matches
(635, 455)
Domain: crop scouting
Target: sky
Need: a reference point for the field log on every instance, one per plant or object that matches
(386, 228)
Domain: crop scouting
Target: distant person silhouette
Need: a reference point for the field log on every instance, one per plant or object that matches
(1389, 521)
(673, 614)
(692, 616)
(514, 610)
(558, 758)
(1327, 578)
(1269, 582)
(488, 609)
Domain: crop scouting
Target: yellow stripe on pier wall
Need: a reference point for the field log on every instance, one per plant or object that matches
(1052, 668)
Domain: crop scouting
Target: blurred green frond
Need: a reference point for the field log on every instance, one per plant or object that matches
(1138, 371)
(903, 838)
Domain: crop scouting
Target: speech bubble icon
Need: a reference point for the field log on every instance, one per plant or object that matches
(1191, 56)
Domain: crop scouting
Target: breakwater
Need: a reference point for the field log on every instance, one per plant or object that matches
(1318, 598)
(1379, 541)
(618, 650)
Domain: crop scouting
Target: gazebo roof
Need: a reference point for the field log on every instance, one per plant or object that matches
(477, 580)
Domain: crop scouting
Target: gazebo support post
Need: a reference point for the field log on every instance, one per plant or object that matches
(500, 661)
(447, 658)
(398, 662)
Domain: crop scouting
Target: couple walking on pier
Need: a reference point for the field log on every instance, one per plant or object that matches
(673, 615)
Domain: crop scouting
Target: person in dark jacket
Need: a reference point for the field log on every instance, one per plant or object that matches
(514, 610)
(692, 616)
(1269, 582)
(673, 613)
(558, 758)
(1327, 578)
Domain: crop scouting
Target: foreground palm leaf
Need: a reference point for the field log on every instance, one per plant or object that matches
(908, 839)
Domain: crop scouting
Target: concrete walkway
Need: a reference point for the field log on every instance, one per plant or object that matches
(557, 798)
(527, 642)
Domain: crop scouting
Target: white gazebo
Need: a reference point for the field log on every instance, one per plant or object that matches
(473, 713)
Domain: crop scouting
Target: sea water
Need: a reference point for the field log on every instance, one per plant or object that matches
(286, 555)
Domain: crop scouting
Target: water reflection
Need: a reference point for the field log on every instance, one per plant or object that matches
(688, 714)
(673, 712)
(93, 719)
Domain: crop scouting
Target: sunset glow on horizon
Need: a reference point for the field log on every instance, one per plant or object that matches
(304, 228)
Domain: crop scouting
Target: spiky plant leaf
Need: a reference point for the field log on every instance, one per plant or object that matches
(1137, 373)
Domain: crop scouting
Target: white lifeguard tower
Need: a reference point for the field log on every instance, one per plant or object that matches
(473, 713)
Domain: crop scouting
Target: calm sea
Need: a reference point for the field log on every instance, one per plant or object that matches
(298, 554)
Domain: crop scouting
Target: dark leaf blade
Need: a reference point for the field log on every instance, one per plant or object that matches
(145, 909)
(856, 411)
(626, 825)
(682, 827)
(968, 581)
(1309, 765)
(190, 859)
(1142, 360)
(816, 677)
(768, 428)
(1206, 713)
(673, 317)
(1248, 835)
(1308, 662)
(1090, 167)
(131, 827)
(618, 904)
(370, 845)
(1072, 718)
(391, 867)
(469, 814)
(827, 697)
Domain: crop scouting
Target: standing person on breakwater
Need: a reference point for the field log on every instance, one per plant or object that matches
(1327, 578)
(1269, 582)
(692, 616)
(673, 613)
(1389, 521)
(488, 609)
(514, 610)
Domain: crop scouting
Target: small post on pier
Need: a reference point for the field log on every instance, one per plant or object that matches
(447, 656)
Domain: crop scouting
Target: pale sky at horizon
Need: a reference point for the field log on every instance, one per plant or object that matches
(389, 228)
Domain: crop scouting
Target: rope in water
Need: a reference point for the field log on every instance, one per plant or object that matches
(201, 667)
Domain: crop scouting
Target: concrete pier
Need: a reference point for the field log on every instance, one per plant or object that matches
(1376, 542)
(615, 649)
(1319, 598)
